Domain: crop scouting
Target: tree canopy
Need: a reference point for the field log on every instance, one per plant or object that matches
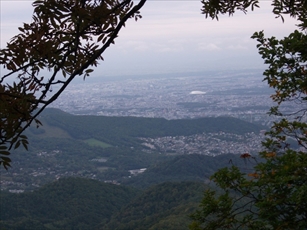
(65, 39)
(273, 193)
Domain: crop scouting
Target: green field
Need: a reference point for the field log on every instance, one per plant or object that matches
(95, 142)
(49, 131)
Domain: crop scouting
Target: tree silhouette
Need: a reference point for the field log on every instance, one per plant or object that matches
(65, 40)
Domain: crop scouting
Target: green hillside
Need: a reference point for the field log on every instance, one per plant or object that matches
(70, 203)
(75, 203)
(193, 167)
(125, 130)
(164, 206)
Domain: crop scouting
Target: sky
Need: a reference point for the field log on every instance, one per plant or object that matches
(173, 36)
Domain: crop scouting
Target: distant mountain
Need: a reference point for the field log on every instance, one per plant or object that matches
(124, 131)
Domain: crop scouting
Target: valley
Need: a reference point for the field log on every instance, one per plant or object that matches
(110, 147)
(121, 158)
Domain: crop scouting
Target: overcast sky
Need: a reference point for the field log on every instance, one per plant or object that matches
(173, 36)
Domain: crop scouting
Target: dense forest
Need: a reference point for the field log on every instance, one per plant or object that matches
(76, 203)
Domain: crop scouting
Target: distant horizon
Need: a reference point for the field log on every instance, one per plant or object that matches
(116, 77)
(173, 36)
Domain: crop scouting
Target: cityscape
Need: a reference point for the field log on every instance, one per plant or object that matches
(241, 94)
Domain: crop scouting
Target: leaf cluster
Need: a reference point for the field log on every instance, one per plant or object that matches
(213, 8)
(294, 8)
(287, 71)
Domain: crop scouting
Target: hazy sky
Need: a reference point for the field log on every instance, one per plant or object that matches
(173, 36)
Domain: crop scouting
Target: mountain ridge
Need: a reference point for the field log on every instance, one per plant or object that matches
(127, 130)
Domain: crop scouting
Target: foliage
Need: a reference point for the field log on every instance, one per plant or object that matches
(294, 8)
(65, 39)
(273, 195)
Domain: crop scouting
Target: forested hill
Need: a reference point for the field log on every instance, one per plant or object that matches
(122, 130)
(163, 206)
(69, 203)
(76, 203)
